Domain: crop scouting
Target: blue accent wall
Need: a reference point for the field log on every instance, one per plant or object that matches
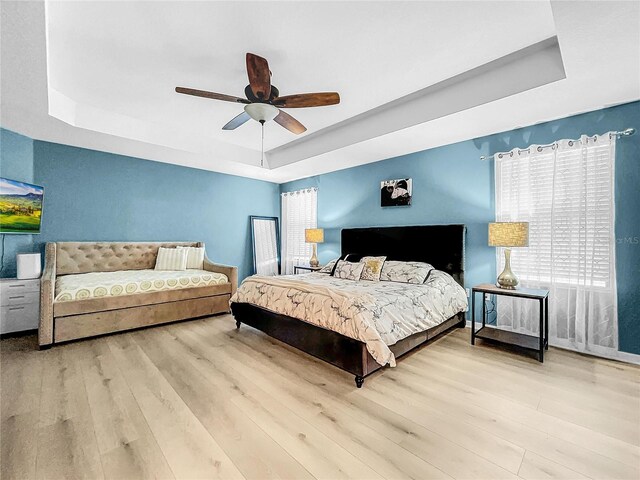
(452, 185)
(91, 195)
(16, 163)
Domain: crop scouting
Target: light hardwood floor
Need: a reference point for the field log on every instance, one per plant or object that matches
(201, 400)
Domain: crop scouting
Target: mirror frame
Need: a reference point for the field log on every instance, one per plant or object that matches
(253, 240)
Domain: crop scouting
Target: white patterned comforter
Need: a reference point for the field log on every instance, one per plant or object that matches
(376, 313)
(128, 282)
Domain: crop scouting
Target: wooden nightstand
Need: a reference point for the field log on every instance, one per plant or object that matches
(540, 344)
(298, 268)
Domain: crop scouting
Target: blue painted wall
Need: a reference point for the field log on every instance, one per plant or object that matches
(16, 163)
(452, 185)
(92, 195)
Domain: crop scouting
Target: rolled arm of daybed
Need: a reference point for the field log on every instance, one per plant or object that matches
(47, 292)
(230, 272)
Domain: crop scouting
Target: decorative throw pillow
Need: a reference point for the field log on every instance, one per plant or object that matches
(195, 256)
(372, 268)
(328, 268)
(348, 270)
(171, 259)
(405, 272)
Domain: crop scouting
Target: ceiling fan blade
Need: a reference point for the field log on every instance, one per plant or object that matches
(259, 76)
(212, 95)
(235, 122)
(307, 100)
(290, 123)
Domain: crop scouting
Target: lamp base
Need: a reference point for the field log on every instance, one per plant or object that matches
(507, 279)
(313, 261)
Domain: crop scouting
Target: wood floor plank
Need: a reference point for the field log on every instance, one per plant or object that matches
(536, 467)
(20, 385)
(528, 373)
(320, 456)
(587, 461)
(201, 399)
(448, 387)
(383, 455)
(207, 392)
(126, 443)
(67, 445)
(441, 453)
(189, 449)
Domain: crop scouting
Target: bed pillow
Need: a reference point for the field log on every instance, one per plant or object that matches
(405, 272)
(171, 259)
(348, 270)
(328, 268)
(195, 256)
(372, 268)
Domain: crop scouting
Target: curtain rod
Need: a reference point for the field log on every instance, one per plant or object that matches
(622, 133)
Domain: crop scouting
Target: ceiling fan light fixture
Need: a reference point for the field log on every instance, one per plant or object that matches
(261, 112)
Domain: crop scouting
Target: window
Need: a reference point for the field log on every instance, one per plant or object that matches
(566, 193)
(299, 212)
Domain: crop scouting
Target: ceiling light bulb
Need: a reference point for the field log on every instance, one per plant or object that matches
(261, 112)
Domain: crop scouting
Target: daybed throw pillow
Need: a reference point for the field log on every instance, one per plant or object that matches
(328, 268)
(372, 268)
(171, 259)
(348, 270)
(195, 256)
(405, 272)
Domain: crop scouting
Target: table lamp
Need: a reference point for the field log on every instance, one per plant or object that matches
(508, 234)
(314, 236)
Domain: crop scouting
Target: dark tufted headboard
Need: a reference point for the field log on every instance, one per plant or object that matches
(439, 245)
(85, 257)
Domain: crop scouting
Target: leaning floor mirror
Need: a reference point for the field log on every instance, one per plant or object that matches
(266, 245)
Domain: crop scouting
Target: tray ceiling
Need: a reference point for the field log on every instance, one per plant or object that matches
(102, 74)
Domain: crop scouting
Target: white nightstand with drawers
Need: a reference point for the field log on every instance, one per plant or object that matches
(19, 305)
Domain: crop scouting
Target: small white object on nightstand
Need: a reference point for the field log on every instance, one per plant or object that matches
(29, 265)
(19, 305)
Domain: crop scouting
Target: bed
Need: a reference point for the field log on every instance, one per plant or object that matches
(442, 246)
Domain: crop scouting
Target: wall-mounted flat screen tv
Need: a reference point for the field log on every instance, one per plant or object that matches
(20, 207)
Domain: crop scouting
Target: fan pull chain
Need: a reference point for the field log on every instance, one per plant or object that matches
(262, 147)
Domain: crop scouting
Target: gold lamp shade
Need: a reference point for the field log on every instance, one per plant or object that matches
(314, 235)
(508, 234)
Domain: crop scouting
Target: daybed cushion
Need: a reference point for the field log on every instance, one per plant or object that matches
(128, 282)
(172, 259)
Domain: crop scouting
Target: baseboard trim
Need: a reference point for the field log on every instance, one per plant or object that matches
(21, 333)
(624, 357)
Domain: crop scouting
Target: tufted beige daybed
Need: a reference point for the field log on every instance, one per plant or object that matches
(100, 310)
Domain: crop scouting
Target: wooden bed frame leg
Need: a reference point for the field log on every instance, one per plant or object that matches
(359, 381)
(238, 323)
(463, 323)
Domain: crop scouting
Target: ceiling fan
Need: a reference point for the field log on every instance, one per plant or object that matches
(263, 102)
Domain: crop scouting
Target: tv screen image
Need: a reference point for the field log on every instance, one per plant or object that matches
(20, 207)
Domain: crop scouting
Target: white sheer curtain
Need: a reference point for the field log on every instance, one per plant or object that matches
(566, 193)
(299, 212)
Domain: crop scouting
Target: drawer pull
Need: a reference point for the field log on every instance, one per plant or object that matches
(16, 308)
(16, 297)
(17, 286)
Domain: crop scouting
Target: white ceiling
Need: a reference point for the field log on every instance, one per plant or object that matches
(101, 74)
